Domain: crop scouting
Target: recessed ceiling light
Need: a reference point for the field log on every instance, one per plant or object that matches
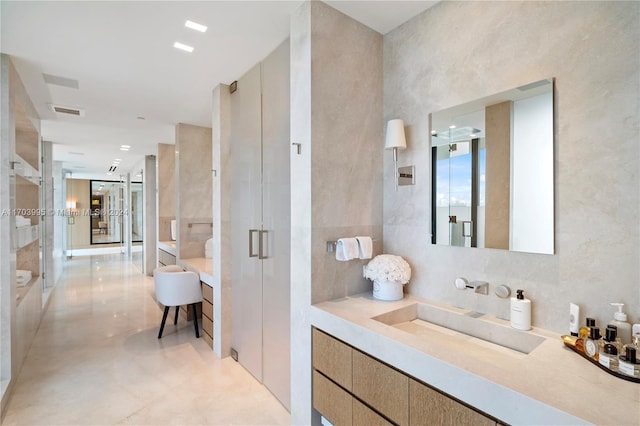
(124, 147)
(183, 47)
(195, 26)
(452, 126)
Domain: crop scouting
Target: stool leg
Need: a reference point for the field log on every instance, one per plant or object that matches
(175, 320)
(164, 318)
(195, 320)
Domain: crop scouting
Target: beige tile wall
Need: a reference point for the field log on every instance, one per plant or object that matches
(459, 51)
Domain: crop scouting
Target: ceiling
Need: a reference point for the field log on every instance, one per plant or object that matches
(116, 62)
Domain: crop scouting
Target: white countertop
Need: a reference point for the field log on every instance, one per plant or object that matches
(200, 265)
(168, 246)
(550, 385)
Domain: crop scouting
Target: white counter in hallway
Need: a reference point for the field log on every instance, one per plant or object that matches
(550, 385)
(168, 246)
(201, 266)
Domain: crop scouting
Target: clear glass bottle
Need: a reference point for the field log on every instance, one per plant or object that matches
(584, 331)
(628, 363)
(592, 343)
(608, 356)
(611, 336)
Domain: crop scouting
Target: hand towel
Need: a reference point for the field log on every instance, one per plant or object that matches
(365, 247)
(22, 221)
(347, 249)
(208, 248)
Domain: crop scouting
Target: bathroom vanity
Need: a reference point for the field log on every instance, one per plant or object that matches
(386, 361)
(204, 268)
(166, 253)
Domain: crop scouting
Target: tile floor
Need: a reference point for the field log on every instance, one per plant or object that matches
(96, 360)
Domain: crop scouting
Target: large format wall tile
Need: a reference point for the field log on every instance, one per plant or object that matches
(438, 59)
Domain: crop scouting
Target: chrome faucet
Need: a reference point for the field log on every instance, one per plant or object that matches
(480, 287)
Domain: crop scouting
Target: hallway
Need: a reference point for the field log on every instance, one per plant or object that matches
(96, 360)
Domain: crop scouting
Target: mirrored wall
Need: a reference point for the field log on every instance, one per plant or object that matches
(108, 211)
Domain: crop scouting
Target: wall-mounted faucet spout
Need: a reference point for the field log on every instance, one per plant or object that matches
(480, 287)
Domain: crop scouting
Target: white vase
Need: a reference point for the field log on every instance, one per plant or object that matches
(387, 290)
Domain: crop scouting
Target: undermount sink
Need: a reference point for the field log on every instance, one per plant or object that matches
(419, 317)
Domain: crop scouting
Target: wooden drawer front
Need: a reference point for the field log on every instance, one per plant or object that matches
(365, 416)
(333, 402)
(429, 407)
(381, 387)
(207, 326)
(207, 339)
(207, 309)
(207, 292)
(186, 311)
(332, 358)
(166, 258)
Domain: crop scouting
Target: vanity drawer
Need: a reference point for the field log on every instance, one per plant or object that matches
(430, 407)
(166, 258)
(333, 402)
(207, 292)
(363, 415)
(382, 387)
(333, 358)
(207, 325)
(207, 309)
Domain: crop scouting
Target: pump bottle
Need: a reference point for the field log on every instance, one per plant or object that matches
(620, 321)
(520, 311)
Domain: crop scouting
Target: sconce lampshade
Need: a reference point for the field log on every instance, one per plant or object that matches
(395, 135)
(71, 204)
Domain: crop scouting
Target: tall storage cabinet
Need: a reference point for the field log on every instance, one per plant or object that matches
(261, 222)
(21, 294)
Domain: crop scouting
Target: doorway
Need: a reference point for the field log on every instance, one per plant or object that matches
(108, 211)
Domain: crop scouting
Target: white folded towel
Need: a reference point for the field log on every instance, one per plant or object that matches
(365, 247)
(22, 221)
(208, 248)
(23, 276)
(347, 249)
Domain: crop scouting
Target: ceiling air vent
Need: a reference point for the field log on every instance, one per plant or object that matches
(67, 110)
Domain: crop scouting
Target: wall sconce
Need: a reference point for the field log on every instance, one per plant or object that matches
(395, 139)
(71, 208)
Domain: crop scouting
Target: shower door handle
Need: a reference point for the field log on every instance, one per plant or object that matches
(251, 254)
(467, 228)
(261, 240)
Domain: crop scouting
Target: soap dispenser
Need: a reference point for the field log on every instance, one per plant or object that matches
(620, 321)
(520, 311)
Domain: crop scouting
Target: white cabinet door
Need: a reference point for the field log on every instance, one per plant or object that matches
(261, 222)
(276, 215)
(246, 207)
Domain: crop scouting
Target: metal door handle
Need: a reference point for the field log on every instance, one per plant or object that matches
(467, 228)
(251, 231)
(260, 242)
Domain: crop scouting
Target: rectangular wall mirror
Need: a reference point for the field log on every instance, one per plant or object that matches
(492, 171)
(107, 212)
